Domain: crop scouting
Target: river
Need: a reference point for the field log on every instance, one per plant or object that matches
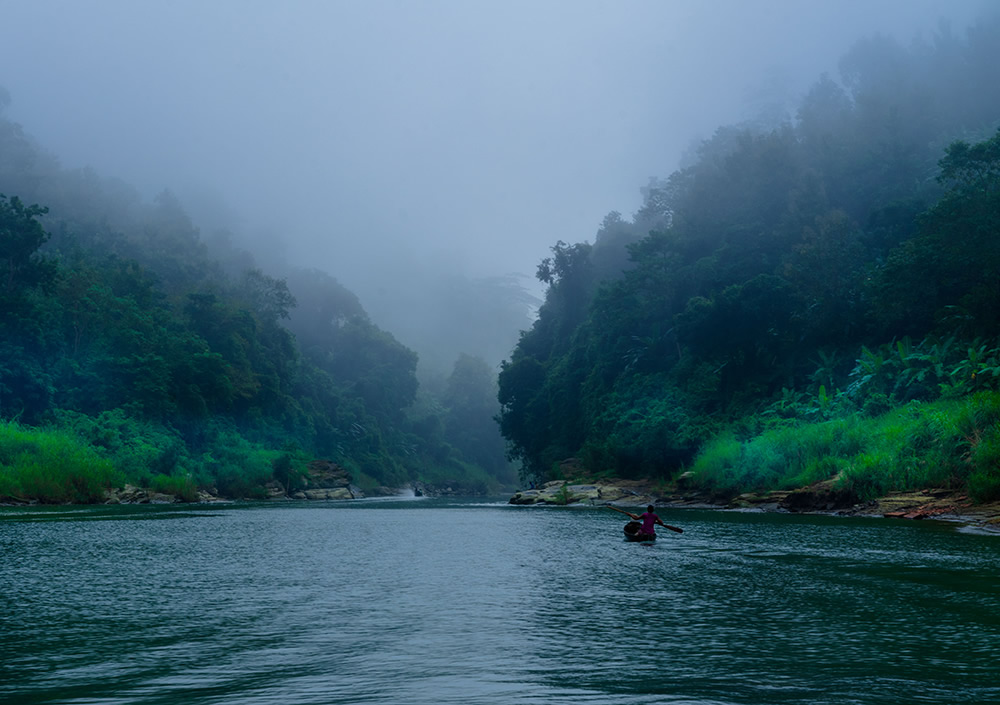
(423, 601)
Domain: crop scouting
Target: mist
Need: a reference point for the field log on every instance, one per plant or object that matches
(399, 146)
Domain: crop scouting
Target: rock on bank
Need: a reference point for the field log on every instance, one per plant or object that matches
(821, 498)
(626, 493)
(323, 480)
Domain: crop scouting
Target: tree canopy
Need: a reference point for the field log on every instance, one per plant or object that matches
(176, 360)
(748, 289)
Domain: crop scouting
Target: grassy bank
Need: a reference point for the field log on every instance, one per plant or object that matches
(953, 444)
(51, 466)
(82, 457)
(947, 443)
(79, 458)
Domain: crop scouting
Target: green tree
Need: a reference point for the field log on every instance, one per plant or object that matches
(470, 398)
(21, 235)
(953, 262)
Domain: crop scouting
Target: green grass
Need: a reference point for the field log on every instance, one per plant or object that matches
(78, 457)
(76, 461)
(182, 486)
(949, 443)
(51, 466)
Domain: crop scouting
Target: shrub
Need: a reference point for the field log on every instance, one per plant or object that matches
(290, 469)
(984, 480)
(138, 449)
(716, 466)
(182, 486)
(948, 443)
(984, 485)
(868, 475)
(51, 466)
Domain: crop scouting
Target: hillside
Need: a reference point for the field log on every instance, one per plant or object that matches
(807, 300)
(136, 349)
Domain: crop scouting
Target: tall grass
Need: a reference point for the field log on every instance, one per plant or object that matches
(948, 443)
(978, 428)
(181, 486)
(51, 466)
(216, 456)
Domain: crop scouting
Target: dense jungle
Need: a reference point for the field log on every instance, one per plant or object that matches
(134, 349)
(802, 302)
(811, 297)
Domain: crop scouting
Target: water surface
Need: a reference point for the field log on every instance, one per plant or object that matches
(438, 601)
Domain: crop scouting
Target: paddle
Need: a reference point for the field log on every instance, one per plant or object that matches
(633, 516)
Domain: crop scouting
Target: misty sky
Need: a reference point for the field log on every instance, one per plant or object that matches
(373, 134)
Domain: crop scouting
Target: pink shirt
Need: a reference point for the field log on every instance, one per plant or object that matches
(648, 523)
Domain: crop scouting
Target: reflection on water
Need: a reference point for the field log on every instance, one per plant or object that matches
(434, 601)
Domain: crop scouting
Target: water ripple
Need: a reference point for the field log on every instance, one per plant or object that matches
(446, 602)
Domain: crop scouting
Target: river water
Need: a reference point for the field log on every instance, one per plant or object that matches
(448, 601)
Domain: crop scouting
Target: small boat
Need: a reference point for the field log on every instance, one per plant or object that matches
(633, 533)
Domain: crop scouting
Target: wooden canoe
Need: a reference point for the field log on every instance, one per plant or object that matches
(633, 533)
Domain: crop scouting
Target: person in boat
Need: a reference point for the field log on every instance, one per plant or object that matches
(649, 521)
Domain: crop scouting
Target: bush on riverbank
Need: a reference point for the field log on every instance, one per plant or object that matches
(150, 454)
(183, 487)
(948, 443)
(79, 460)
(51, 466)
(79, 457)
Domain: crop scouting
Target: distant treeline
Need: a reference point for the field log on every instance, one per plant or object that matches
(838, 271)
(134, 349)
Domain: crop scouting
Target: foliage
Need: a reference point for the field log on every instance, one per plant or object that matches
(470, 400)
(801, 301)
(831, 273)
(51, 466)
(947, 443)
(21, 235)
(563, 496)
(290, 470)
(181, 371)
(183, 487)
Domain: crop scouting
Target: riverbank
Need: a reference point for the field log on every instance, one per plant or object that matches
(323, 480)
(821, 498)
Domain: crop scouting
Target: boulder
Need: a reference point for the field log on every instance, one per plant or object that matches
(162, 498)
(628, 493)
(820, 497)
(130, 494)
(324, 480)
(558, 492)
(583, 493)
(525, 497)
(324, 493)
(614, 493)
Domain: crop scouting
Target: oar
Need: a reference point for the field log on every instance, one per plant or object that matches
(629, 514)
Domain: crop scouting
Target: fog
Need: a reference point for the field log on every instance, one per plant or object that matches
(390, 143)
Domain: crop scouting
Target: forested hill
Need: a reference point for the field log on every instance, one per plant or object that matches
(810, 300)
(133, 349)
